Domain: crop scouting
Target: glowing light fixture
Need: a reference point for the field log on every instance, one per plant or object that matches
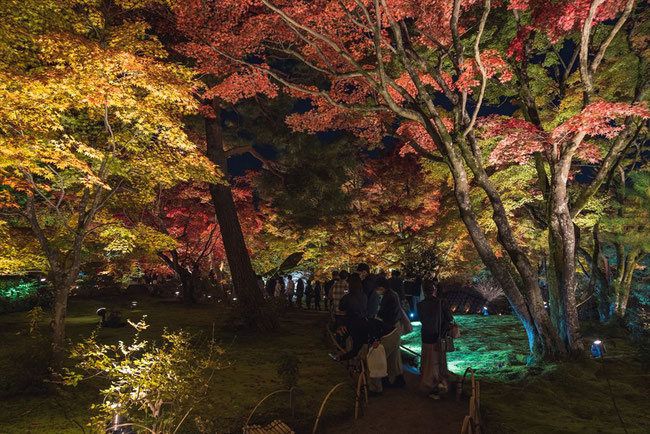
(43, 279)
(598, 349)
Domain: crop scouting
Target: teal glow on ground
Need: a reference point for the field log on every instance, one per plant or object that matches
(494, 344)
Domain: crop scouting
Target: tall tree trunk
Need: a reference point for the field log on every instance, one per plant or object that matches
(187, 283)
(562, 246)
(627, 262)
(243, 277)
(62, 286)
(542, 337)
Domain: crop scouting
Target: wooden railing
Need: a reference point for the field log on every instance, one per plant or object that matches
(472, 421)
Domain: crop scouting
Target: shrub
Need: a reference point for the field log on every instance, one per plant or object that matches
(17, 295)
(149, 386)
(29, 364)
(288, 370)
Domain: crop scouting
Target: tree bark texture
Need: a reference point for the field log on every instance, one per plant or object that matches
(243, 277)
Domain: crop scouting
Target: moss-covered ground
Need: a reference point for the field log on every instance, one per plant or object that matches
(571, 397)
(251, 361)
(516, 398)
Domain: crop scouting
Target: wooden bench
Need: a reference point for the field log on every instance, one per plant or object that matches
(275, 427)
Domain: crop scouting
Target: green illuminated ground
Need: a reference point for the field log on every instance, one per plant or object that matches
(491, 345)
(568, 398)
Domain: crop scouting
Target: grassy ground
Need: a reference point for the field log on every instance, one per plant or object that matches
(568, 398)
(250, 376)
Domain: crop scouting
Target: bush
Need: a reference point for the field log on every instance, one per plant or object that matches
(17, 295)
(29, 365)
(149, 385)
(288, 370)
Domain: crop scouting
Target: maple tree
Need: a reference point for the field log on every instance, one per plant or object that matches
(624, 229)
(436, 69)
(186, 214)
(91, 121)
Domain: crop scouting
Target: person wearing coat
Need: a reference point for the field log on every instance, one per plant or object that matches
(390, 312)
(309, 294)
(436, 319)
(300, 290)
(317, 295)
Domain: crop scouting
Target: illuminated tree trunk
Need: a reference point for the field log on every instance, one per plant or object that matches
(626, 264)
(525, 298)
(185, 276)
(243, 277)
(62, 287)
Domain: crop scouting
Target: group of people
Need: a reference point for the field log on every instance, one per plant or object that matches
(368, 315)
(313, 292)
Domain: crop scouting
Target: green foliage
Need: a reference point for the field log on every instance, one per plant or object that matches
(153, 386)
(629, 223)
(18, 295)
(29, 365)
(288, 370)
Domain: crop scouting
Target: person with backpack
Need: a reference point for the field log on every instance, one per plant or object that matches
(436, 319)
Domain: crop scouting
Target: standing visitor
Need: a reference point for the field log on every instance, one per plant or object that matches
(309, 294)
(390, 312)
(278, 287)
(373, 332)
(270, 286)
(317, 296)
(328, 287)
(363, 271)
(290, 289)
(300, 290)
(396, 284)
(355, 302)
(339, 290)
(412, 289)
(436, 319)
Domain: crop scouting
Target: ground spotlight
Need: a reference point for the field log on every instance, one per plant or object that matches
(43, 279)
(598, 349)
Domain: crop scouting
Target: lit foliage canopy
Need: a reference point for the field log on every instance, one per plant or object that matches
(437, 70)
(91, 120)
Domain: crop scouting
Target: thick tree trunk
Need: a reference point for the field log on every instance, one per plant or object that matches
(562, 246)
(542, 337)
(187, 283)
(243, 277)
(62, 287)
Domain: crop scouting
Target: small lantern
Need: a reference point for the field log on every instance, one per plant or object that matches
(485, 311)
(598, 350)
(134, 304)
